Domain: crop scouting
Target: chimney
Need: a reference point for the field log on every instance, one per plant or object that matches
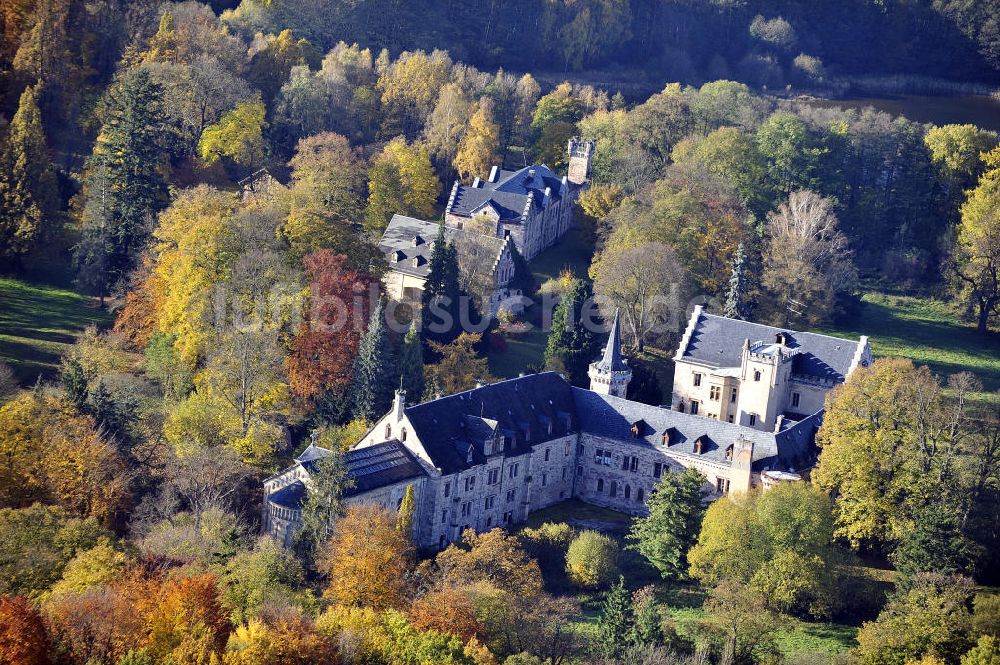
(494, 172)
(531, 174)
(475, 183)
(778, 422)
(398, 405)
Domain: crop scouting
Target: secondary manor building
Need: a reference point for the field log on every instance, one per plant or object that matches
(486, 262)
(489, 456)
(533, 206)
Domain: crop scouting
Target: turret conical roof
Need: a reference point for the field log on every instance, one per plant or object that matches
(612, 360)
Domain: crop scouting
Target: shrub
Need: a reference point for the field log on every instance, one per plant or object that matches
(592, 560)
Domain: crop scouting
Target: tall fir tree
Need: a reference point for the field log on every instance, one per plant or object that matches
(676, 510)
(125, 187)
(411, 366)
(571, 345)
(374, 370)
(616, 626)
(737, 299)
(29, 197)
(322, 504)
(442, 293)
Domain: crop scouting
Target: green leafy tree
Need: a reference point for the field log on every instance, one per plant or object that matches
(592, 560)
(124, 186)
(931, 618)
(238, 136)
(616, 625)
(676, 508)
(977, 246)
(252, 579)
(322, 505)
(411, 365)
(572, 346)
(385, 194)
(744, 624)
(442, 294)
(29, 198)
(793, 154)
(374, 370)
(935, 544)
(404, 516)
(737, 298)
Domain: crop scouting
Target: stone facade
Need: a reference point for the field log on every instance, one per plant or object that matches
(490, 456)
(758, 376)
(531, 206)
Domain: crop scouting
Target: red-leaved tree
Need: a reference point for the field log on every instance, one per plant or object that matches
(327, 340)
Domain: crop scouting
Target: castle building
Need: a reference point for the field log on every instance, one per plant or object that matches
(486, 262)
(758, 376)
(490, 456)
(533, 206)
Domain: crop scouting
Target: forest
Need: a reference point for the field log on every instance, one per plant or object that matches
(190, 193)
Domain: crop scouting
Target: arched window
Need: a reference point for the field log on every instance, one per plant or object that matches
(600, 484)
(639, 495)
(388, 431)
(628, 492)
(614, 488)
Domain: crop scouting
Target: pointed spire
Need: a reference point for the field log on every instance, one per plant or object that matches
(612, 358)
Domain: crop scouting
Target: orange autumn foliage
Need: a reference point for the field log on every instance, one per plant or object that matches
(368, 560)
(100, 625)
(447, 610)
(185, 622)
(137, 318)
(23, 638)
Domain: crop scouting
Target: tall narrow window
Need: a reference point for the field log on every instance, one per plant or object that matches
(795, 399)
(697, 379)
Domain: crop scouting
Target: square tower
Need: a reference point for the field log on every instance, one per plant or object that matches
(581, 151)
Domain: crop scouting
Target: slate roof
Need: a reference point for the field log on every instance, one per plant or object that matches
(509, 192)
(717, 341)
(611, 360)
(376, 466)
(449, 426)
(522, 410)
(408, 243)
(613, 418)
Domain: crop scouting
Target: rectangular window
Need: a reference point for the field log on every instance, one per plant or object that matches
(494, 477)
(564, 473)
(697, 379)
(488, 503)
(510, 496)
(512, 471)
(714, 393)
(657, 470)
(579, 449)
(507, 517)
(795, 399)
(546, 454)
(444, 516)
(598, 456)
(465, 509)
(756, 375)
(753, 419)
(730, 417)
(447, 489)
(579, 470)
(470, 483)
(607, 458)
(634, 466)
(732, 396)
(545, 479)
(624, 462)
(694, 407)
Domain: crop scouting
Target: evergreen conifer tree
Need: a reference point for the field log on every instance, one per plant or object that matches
(736, 298)
(571, 346)
(374, 370)
(442, 294)
(411, 365)
(616, 626)
(322, 503)
(124, 185)
(675, 512)
(29, 198)
(404, 516)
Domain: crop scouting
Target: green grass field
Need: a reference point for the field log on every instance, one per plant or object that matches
(38, 323)
(927, 331)
(573, 252)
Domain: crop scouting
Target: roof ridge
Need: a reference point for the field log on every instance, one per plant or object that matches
(790, 330)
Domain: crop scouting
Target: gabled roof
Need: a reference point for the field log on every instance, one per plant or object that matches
(613, 417)
(376, 466)
(522, 410)
(510, 192)
(718, 341)
(409, 242)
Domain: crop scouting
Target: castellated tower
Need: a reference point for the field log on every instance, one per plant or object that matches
(580, 153)
(610, 375)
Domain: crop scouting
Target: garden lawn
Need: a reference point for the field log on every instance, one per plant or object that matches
(928, 331)
(573, 252)
(38, 323)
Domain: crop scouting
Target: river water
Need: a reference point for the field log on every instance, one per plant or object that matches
(978, 110)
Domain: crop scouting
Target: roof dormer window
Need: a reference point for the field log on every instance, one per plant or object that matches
(417, 241)
(398, 256)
